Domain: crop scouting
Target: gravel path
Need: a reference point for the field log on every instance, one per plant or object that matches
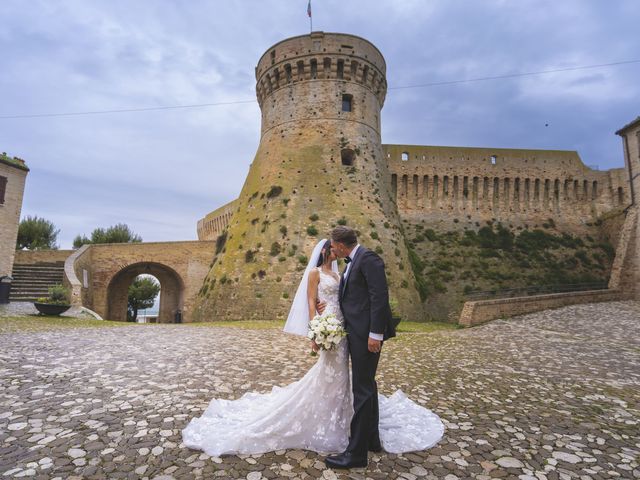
(550, 395)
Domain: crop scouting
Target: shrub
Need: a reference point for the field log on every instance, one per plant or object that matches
(582, 256)
(379, 250)
(608, 250)
(430, 234)
(312, 230)
(374, 235)
(283, 230)
(220, 242)
(302, 259)
(249, 256)
(58, 295)
(274, 191)
(314, 217)
(275, 249)
(282, 259)
(342, 221)
(285, 295)
(224, 279)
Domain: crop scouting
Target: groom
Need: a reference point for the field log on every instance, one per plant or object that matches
(364, 301)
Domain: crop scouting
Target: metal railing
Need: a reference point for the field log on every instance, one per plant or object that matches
(534, 290)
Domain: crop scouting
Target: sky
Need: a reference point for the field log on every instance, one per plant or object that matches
(160, 171)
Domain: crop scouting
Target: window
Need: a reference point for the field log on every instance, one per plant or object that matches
(365, 73)
(273, 56)
(340, 73)
(3, 189)
(327, 67)
(404, 156)
(314, 68)
(493, 159)
(348, 156)
(347, 101)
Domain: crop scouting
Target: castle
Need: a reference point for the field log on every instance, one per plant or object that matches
(321, 161)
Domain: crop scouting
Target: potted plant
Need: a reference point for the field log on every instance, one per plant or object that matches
(395, 314)
(56, 303)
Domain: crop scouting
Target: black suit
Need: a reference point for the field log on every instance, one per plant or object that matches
(364, 301)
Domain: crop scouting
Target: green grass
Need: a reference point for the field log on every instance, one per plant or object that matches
(425, 327)
(243, 324)
(404, 327)
(37, 323)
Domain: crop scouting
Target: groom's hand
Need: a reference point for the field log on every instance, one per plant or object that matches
(320, 306)
(374, 345)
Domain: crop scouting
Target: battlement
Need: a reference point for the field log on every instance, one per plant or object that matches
(518, 186)
(321, 56)
(214, 223)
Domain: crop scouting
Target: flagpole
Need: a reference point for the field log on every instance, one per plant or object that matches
(310, 17)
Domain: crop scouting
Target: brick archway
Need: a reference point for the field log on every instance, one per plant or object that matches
(171, 284)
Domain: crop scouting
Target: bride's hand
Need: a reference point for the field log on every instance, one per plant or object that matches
(320, 306)
(314, 346)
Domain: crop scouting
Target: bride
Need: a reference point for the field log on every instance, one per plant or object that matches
(313, 413)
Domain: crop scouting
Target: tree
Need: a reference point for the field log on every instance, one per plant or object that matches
(119, 233)
(142, 294)
(36, 233)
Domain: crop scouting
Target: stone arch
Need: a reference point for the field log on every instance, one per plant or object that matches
(171, 297)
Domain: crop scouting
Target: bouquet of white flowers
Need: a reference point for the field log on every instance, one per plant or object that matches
(326, 330)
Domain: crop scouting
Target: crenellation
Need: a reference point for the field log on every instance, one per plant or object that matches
(521, 186)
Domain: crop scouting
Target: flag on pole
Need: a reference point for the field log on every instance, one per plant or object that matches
(309, 9)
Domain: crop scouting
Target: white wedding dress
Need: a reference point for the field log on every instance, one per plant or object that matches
(313, 413)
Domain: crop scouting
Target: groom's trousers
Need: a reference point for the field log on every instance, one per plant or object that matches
(364, 425)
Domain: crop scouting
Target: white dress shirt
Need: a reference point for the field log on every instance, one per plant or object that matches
(352, 253)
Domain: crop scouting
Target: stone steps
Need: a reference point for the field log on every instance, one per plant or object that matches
(33, 281)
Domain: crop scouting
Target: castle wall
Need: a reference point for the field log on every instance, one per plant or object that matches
(515, 186)
(211, 226)
(13, 174)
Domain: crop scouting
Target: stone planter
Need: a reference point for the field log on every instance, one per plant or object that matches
(51, 309)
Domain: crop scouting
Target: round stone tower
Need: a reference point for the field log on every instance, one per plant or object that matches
(319, 163)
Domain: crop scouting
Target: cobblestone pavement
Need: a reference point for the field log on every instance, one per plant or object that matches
(554, 394)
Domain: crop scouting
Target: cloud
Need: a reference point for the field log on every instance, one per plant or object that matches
(160, 171)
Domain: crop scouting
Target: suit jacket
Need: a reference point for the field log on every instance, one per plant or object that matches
(364, 297)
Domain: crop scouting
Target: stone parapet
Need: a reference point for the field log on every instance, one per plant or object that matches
(482, 311)
(31, 257)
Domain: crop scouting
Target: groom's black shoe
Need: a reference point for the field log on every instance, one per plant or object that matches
(346, 460)
(375, 448)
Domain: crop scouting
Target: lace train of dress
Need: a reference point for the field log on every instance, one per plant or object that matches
(313, 413)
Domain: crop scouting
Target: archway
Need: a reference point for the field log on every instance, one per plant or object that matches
(171, 299)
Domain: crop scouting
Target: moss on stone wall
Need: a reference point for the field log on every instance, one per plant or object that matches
(453, 263)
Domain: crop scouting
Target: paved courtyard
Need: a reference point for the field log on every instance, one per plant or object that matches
(554, 394)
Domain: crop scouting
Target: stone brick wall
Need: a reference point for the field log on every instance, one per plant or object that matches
(28, 257)
(513, 186)
(212, 226)
(110, 268)
(13, 174)
(478, 312)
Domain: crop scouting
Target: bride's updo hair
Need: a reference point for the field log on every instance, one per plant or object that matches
(324, 253)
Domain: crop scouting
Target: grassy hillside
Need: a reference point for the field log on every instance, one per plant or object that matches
(493, 257)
